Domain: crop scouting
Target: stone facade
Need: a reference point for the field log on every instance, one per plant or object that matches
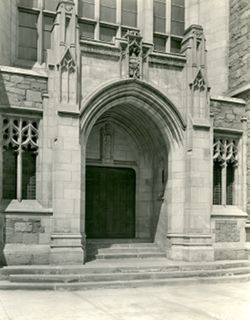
(239, 60)
(123, 105)
(21, 90)
(216, 30)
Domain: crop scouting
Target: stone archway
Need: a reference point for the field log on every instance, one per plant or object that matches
(129, 124)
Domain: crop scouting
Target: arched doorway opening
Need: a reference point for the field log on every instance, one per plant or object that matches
(126, 172)
(128, 129)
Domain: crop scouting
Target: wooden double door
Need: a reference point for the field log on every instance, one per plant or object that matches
(110, 202)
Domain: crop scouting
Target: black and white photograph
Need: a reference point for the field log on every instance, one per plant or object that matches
(124, 159)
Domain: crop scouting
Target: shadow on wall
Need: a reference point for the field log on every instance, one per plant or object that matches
(159, 223)
(4, 105)
(4, 205)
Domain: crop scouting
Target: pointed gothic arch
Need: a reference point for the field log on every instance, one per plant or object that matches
(157, 129)
(143, 96)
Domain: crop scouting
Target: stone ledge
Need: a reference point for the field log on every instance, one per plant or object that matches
(66, 236)
(101, 48)
(190, 240)
(227, 211)
(167, 59)
(25, 72)
(228, 131)
(68, 113)
(228, 100)
(26, 207)
(240, 90)
(22, 110)
(201, 124)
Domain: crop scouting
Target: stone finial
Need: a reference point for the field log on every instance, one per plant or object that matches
(64, 55)
(64, 34)
(194, 47)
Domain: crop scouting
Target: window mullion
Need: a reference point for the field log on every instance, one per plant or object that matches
(97, 18)
(224, 184)
(168, 24)
(19, 162)
(40, 37)
(119, 17)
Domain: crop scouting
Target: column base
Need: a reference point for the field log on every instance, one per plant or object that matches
(66, 249)
(24, 254)
(190, 248)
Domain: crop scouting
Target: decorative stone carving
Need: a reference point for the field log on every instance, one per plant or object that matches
(67, 62)
(64, 58)
(194, 47)
(67, 77)
(135, 54)
(107, 143)
(66, 5)
(225, 150)
(198, 87)
(198, 34)
(20, 134)
(199, 82)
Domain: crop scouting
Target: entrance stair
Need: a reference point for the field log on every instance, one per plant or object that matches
(108, 273)
(122, 249)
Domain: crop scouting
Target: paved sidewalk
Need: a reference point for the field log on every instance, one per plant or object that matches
(229, 301)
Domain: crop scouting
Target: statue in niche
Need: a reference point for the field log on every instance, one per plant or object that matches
(107, 137)
(135, 54)
(134, 62)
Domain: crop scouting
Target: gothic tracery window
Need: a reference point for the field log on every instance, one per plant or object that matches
(225, 156)
(20, 147)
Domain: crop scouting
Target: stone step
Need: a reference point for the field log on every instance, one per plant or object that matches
(126, 255)
(118, 241)
(122, 245)
(121, 248)
(121, 266)
(7, 285)
(128, 250)
(130, 276)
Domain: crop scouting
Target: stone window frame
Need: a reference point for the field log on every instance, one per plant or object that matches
(233, 155)
(116, 28)
(168, 37)
(90, 28)
(20, 138)
(42, 14)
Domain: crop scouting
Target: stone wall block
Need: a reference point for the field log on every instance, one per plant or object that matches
(33, 95)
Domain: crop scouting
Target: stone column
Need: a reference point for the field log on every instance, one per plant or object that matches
(195, 243)
(66, 246)
(63, 62)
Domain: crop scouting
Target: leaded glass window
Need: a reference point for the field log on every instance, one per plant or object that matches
(217, 182)
(160, 16)
(47, 26)
(51, 5)
(177, 17)
(87, 30)
(20, 147)
(107, 33)
(27, 48)
(108, 10)
(129, 13)
(225, 155)
(87, 9)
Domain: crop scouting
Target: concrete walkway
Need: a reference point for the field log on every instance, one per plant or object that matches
(228, 301)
